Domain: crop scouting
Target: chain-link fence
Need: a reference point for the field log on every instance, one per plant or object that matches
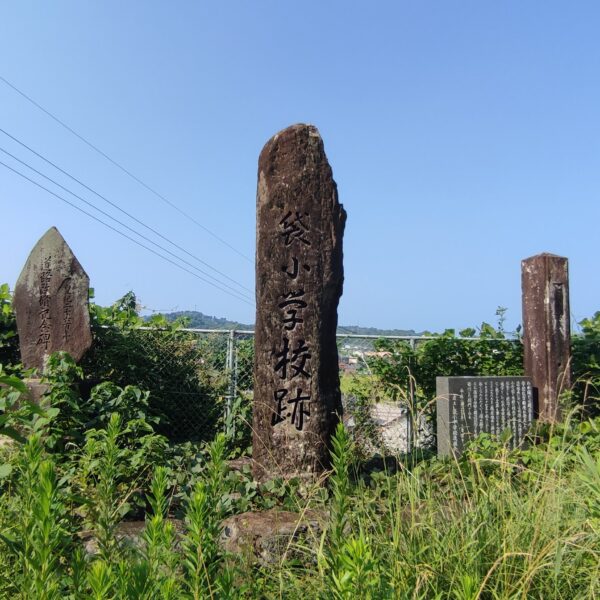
(389, 382)
(196, 375)
(201, 381)
(379, 421)
(198, 378)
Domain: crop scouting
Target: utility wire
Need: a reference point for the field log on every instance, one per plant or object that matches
(123, 234)
(12, 137)
(92, 205)
(122, 168)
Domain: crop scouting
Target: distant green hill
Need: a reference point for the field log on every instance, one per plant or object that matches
(356, 330)
(198, 320)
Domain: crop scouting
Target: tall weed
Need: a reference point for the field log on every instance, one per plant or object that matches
(206, 575)
(39, 538)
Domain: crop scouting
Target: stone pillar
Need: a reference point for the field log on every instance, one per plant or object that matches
(299, 277)
(547, 330)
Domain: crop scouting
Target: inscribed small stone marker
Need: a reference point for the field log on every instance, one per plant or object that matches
(547, 329)
(51, 303)
(468, 406)
(299, 277)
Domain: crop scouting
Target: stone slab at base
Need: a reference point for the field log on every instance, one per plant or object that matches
(267, 536)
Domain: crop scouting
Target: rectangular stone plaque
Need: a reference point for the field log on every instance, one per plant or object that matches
(468, 406)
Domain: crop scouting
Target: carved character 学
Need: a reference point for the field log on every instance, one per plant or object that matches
(293, 299)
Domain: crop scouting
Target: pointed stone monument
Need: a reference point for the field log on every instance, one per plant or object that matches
(299, 277)
(51, 303)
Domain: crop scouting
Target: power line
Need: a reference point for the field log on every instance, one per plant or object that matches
(91, 204)
(123, 234)
(12, 137)
(122, 168)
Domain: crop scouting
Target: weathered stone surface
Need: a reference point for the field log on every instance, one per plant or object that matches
(469, 406)
(36, 389)
(51, 303)
(240, 465)
(547, 329)
(264, 537)
(299, 277)
(130, 534)
(267, 536)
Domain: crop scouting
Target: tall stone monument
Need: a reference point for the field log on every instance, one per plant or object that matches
(51, 303)
(299, 277)
(547, 329)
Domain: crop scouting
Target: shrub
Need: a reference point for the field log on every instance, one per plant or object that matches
(185, 391)
(446, 355)
(586, 365)
(9, 341)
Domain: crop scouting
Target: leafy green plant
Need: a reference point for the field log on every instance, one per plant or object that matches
(9, 341)
(106, 503)
(339, 482)
(590, 478)
(445, 355)
(68, 415)
(157, 356)
(115, 468)
(356, 573)
(101, 580)
(39, 537)
(237, 423)
(361, 392)
(496, 523)
(346, 561)
(205, 572)
(17, 412)
(160, 537)
(586, 365)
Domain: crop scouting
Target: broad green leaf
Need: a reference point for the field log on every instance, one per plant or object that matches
(13, 382)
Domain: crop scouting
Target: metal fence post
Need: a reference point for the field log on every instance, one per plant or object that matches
(229, 366)
(411, 408)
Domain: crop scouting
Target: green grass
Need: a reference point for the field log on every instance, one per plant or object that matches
(494, 524)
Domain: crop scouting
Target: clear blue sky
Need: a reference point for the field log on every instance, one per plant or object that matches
(464, 136)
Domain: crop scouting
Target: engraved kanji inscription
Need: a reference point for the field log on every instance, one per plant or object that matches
(295, 228)
(295, 268)
(296, 408)
(293, 362)
(67, 310)
(293, 305)
(280, 407)
(44, 302)
(301, 408)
